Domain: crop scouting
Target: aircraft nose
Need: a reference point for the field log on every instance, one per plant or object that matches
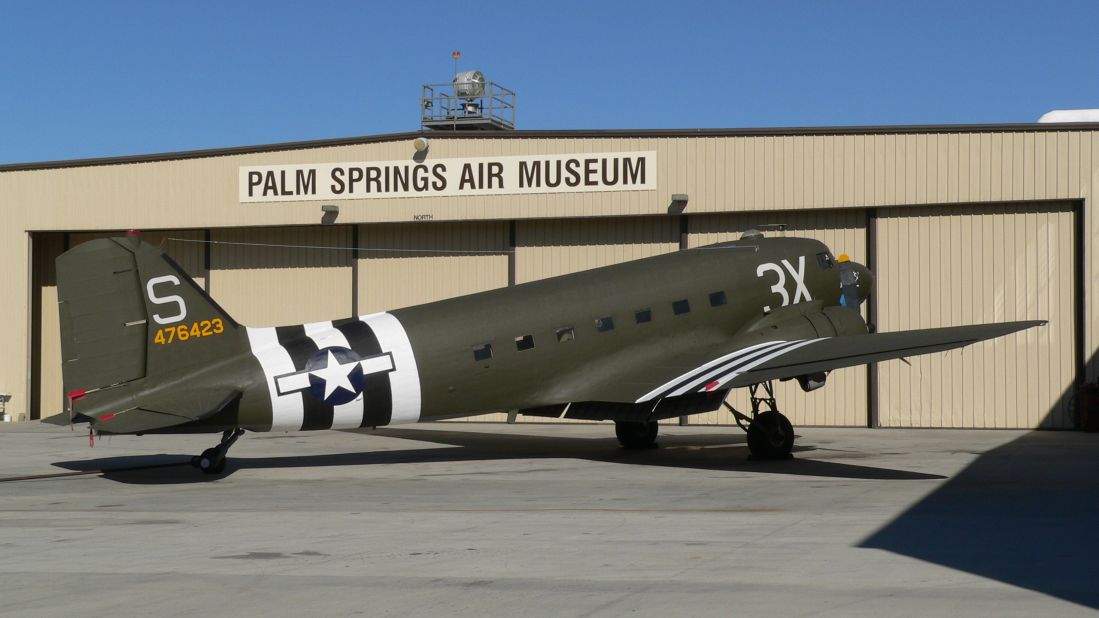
(864, 281)
(856, 282)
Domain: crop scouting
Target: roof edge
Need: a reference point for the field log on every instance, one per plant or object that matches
(554, 133)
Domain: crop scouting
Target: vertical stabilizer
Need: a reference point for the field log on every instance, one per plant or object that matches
(129, 313)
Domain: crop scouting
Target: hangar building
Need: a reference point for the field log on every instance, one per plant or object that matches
(961, 224)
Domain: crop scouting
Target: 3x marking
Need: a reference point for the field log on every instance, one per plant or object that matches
(801, 292)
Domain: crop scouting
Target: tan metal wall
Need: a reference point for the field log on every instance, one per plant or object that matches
(721, 174)
(843, 401)
(406, 264)
(264, 285)
(732, 173)
(46, 336)
(948, 266)
(558, 247)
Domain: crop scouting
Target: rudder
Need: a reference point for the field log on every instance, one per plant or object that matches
(128, 312)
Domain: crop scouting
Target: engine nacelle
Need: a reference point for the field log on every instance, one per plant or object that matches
(812, 381)
(809, 321)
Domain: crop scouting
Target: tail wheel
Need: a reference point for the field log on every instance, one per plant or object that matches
(211, 461)
(770, 436)
(634, 435)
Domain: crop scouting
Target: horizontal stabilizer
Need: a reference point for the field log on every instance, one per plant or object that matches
(129, 421)
(156, 411)
(64, 419)
(850, 350)
(138, 420)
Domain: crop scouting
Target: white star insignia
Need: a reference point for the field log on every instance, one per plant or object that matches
(335, 375)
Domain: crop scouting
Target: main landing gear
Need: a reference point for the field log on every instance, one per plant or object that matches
(636, 435)
(212, 460)
(770, 434)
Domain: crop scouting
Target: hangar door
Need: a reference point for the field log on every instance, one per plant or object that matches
(956, 265)
(842, 402)
(285, 275)
(405, 264)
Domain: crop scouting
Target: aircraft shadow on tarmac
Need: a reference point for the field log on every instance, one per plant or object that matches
(702, 452)
(1026, 513)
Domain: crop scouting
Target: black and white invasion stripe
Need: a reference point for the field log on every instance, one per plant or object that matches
(723, 369)
(387, 397)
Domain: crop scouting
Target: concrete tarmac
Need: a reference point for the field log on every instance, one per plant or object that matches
(506, 520)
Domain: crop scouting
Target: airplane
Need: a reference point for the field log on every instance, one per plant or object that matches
(146, 350)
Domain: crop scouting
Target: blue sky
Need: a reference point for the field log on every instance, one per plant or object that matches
(84, 79)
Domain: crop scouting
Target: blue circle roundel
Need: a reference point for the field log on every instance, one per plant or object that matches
(335, 375)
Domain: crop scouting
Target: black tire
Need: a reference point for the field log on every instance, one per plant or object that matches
(634, 435)
(770, 436)
(210, 461)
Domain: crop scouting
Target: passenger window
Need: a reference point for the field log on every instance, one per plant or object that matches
(482, 352)
(604, 324)
(526, 342)
(565, 333)
(680, 307)
(824, 260)
(717, 299)
(643, 315)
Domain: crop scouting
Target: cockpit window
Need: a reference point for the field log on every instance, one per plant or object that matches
(825, 261)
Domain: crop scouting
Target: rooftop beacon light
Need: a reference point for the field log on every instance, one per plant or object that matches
(469, 102)
(469, 85)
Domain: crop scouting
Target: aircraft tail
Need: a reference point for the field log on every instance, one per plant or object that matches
(134, 327)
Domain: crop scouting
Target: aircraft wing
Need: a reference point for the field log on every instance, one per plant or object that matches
(850, 350)
(789, 359)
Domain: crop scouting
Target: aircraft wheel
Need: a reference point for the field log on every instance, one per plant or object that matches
(211, 461)
(634, 435)
(770, 436)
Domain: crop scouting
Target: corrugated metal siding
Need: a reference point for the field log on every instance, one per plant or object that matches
(49, 397)
(406, 264)
(720, 173)
(558, 247)
(843, 400)
(949, 266)
(266, 284)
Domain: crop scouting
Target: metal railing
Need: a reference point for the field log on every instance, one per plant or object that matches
(441, 109)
